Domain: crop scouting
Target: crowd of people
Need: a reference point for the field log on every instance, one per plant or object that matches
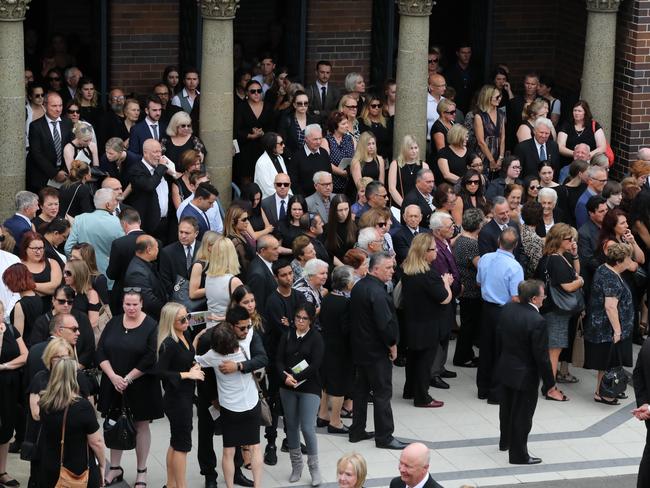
(129, 288)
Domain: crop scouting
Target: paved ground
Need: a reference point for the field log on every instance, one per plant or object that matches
(582, 443)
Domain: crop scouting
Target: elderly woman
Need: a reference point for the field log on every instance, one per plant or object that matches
(355, 86)
(303, 251)
(556, 271)
(608, 332)
(466, 254)
(510, 172)
(403, 170)
(532, 245)
(48, 202)
(180, 138)
(350, 107)
(358, 260)
(445, 199)
(372, 119)
(453, 158)
(380, 220)
(337, 363)
(365, 161)
(351, 471)
(340, 145)
(552, 214)
(270, 163)
(513, 193)
(82, 147)
(489, 128)
(424, 294)
(88, 100)
(311, 285)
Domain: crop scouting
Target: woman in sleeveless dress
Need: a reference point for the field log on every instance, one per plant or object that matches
(490, 130)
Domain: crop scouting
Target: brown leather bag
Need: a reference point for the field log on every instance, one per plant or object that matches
(68, 479)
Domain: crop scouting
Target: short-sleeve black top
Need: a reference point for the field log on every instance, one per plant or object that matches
(559, 272)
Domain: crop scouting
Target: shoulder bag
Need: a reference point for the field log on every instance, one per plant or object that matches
(578, 352)
(69, 217)
(265, 411)
(608, 149)
(568, 303)
(615, 378)
(105, 315)
(68, 479)
(120, 434)
(181, 294)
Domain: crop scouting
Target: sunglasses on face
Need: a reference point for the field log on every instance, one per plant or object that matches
(184, 319)
(74, 330)
(473, 182)
(258, 90)
(283, 185)
(38, 95)
(244, 219)
(432, 61)
(281, 143)
(243, 328)
(450, 112)
(535, 187)
(54, 78)
(63, 301)
(381, 224)
(351, 107)
(302, 104)
(375, 105)
(72, 111)
(185, 126)
(67, 273)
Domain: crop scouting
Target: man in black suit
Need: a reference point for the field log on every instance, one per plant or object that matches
(47, 138)
(323, 96)
(488, 237)
(260, 275)
(414, 468)
(641, 380)
(150, 195)
(142, 274)
(374, 340)
(176, 258)
(149, 128)
(121, 254)
(516, 106)
(402, 239)
(203, 198)
(588, 239)
(523, 361)
(421, 195)
(276, 206)
(538, 148)
(309, 161)
(161, 90)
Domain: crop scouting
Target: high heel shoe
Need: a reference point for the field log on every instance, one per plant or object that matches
(117, 479)
(141, 483)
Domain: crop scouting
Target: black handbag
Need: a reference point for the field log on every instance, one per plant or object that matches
(120, 434)
(181, 294)
(568, 303)
(615, 378)
(640, 277)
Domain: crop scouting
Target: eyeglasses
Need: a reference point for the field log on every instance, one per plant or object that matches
(258, 90)
(184, 319)
(185, 126)
(132, 289)
(534, 187)
(161, 94)
(449, 112)
(329, 183)
(432, 249)
(244, 219)
(71, 111)
(473, 182)
(301, 318)
(117, 99)
(384, 196)
(37, 249)
(38, 95)
(375, 105)
(432, 61)
(283, 185)
(351, 107)
(381, 224)
(73, 329)
(54, 78)
(67, 272)
(302, 104)
(600, 181)
(569, 238)
(63, 301)
(243, 328)
(496, 97)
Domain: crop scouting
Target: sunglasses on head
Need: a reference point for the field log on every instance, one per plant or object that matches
(255, 90)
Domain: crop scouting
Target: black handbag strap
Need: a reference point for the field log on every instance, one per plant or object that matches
(65, 418)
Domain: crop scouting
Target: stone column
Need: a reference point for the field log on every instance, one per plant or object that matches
(217, 103)
(598, 66)
(12, 102)
(412, 71)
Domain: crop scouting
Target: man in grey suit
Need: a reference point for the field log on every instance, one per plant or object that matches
(323, 96)
(276, 206)
(319, 202)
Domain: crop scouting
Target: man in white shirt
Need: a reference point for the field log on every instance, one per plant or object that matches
(436, 88)
(276, 206)
(270, 163)
(188, 95)
(267, 76)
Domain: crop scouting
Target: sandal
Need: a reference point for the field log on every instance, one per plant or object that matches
(117, 479)
(11, 483)
(566, 378)
(141, 483)
(605, 401)
(563, 399)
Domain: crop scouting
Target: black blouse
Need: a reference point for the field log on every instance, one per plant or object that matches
(173, 359)
(292, 350)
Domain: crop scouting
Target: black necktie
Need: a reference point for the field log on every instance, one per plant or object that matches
(57, 142)
(276, 164)
(207, 221)
(323, 95)
(283, 211)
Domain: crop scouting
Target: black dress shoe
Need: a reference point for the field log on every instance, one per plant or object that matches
(270, 455)
(407, 396)
(530, 460)
(338, 430)
(322, 422)
(14, 447)
(438, 382)
(503, 448)
(493, 401)
(393, 444)
(242, 480)
(211, 481)
(364, 436)
(448, 374)
(482, 396)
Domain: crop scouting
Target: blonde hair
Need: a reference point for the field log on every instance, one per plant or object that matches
(167, 319)
(407, 142)
(485, 96)
(444, 104)
(62, 389)
(177, 119)
(78, 170)
(233, 214)
(456, 135)
(83, 130)
(344, 100)
(361, 154)
(363, 182)
(358, 463)
(415, 262)
(80, 275)
(209, 238)
(555, 236)
(530, 110)
(223, 259)
(56, 344)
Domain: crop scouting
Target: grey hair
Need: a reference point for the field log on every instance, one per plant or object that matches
(177, 119)
(264, 242)
(83, 130)
(318, 175)
(342, 276)
(311, 128)
(351, 80)
(420, 174)
(25, 199)
(499, 200)
(313, 266)
(116, 144)
(543, 121)
(472, 219)
(68, 72)
(437, 219)
(377, 258)
(547, 193)
(102, 197)
(366, 236)
(600, 160)
(644, 154)
(593, 171)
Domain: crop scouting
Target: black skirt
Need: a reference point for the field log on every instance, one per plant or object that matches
(597, 355)
(241, 428)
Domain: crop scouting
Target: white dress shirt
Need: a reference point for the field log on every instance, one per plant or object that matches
(278, 203)
(432, 113)
(162, 190)
(214, 217)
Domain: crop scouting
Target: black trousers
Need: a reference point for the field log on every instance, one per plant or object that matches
(643, 480)
(418, 374)
(271, 390)
(470, 327)
(516, 409)
(486, 380)
(377, 377)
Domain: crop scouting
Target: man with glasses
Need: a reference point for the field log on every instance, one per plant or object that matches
(377, 197)
(21, 221)
(323, 96)
(320, 201)
(276, 206)
(112, 124)
(421, 195)
(310, 160)
(538, 148)
(596, 180)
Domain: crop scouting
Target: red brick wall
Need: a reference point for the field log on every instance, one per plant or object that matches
(143, 39)
(631, 111)
(340, 31)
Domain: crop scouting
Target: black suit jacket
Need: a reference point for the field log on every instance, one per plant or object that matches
(261, 280)
(588, 237)
(402, 241)
(144, 197)
(529, 157)
(41, 162)
(641, 376)
(172, 263)
(332, 97)
(524, 348)
(558, 216)
(143, 275)
(414, 197)
(488, 238)
(304, 168)
(287, 129)
(140, 132)
(398, 483)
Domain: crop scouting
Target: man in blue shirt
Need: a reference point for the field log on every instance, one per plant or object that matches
(597, 180)
(499, 275)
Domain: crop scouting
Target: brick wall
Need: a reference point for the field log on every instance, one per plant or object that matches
(631, 111)
(143, 39)
(340, 31)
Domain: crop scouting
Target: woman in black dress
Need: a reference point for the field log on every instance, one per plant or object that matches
(13, 355)
(48, 201)
(290, 228)
(77, 276)
(446, 118)
(61, 408)
(46, 272)
(30, 306)
(337, 369)
(403, 170)
(471, 192)
(340, 231)
(252, 120)
(366, 160)
(180, 138)
(581, 128)
(182, 188)
(251, 194)
(126, 353)
(424, 296)
(88, 100)
(75, 195)
(454, 159)
(177, 371)
(372, 119)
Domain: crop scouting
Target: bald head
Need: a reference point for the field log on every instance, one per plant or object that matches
(151, 152)
(437, 85)
(414, 463)
(53, 105)
(644, 154)
(146, 248)
(115, 185)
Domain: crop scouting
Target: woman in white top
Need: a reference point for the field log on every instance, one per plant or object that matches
(221, 279)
